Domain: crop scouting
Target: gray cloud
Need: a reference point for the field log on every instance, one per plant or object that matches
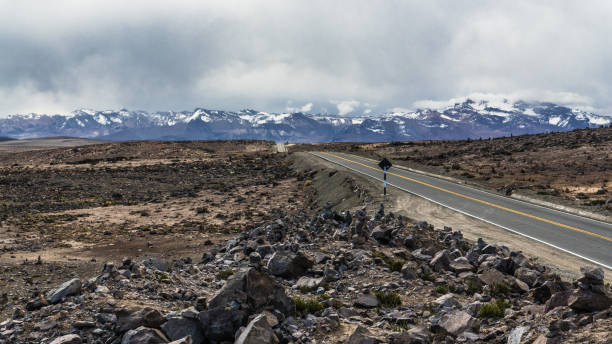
(374, 56)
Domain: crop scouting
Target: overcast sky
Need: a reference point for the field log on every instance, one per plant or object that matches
(346, 57)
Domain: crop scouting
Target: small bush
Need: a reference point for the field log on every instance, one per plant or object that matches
(494, 310)
(388, 300)
(401, 325)
(596, 202)
(428, 276)
(162, 276)
(394, 265)
(225, 274)
(307, 306)
(430, 307)
(440, 289)
(323, 297)
(500, 289)
(473, 287)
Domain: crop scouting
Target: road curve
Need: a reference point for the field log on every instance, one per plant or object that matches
(281, 148)
(580, 236)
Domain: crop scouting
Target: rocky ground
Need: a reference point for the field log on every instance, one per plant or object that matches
(324, 278)
(303, 272)
(568, 168)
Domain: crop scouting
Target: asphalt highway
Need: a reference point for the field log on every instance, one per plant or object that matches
(580, 236)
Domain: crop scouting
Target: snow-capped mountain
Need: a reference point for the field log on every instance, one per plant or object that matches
(470, 118)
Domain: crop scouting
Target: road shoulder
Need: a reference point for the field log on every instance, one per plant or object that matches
(418, 208)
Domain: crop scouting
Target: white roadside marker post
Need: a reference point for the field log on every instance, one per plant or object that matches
(385, 164)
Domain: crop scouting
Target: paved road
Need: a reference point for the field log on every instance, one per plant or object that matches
(577, 235)
(281, 148)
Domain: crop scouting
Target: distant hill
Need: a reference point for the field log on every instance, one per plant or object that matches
(5, 139)
(469, 119)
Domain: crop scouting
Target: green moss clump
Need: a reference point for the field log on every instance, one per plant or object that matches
(225, 274)
(388, 300)
(494, 310)
(500, 289)
(401, 326)
(393, 264)
(323, 297)
(473, 287)
(440, 289)
(307, 306)
(162, 276)
(428, 276)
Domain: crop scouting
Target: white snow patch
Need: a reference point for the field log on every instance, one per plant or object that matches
(530, 112)
(554, 120)
(450, 118)
(598, 120)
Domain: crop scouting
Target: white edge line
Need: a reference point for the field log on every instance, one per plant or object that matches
(467, 186)
(476, 217)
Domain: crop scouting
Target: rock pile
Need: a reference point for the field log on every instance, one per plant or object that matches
(334, 276)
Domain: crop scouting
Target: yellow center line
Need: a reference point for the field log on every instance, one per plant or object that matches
(481, 201)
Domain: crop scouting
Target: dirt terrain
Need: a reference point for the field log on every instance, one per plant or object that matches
(571, 168)
(77, 207)
(8, 146)
(221, 242)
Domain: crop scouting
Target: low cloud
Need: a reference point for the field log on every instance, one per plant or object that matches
(562, 98)
(63, 55)
(346, 106)
(304, 108)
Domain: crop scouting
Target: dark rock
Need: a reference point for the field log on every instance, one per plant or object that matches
(592, 275)
(275, 232)
(455, 323)
(309, 283)
(258, 331)
(382, 235)
(409, 270)
(320, 257)
(265, 250)
(84, 324)
(526, 275)
(380, 213)
(556, 300)
(415, 335)
(37, 303)
(144, 335)
(440, 261)
(542, 293)
(157, 263)
(71, 287)
(177, 328)
(288, 264)
(361, 335)
(201, 303)
(447, 301)
(588, 301)
(492, 276)
(68, 339)
(366, 301)
(128, 319)
(410, 242)
(186, 340)
(255, 290)
(489, 249)
(221, 324)
(461, 264)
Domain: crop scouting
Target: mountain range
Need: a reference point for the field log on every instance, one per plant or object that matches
(468, 119)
